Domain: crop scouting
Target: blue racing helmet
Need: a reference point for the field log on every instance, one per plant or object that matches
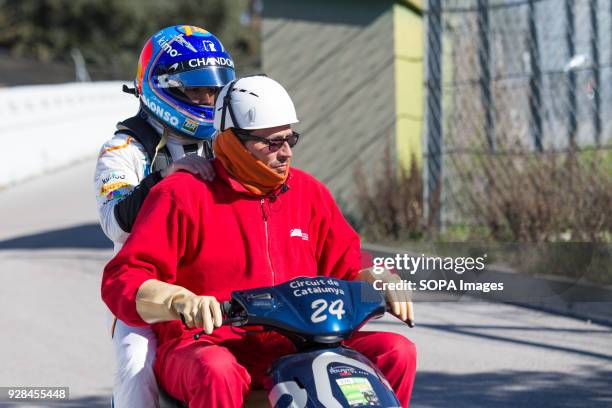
(176, 58)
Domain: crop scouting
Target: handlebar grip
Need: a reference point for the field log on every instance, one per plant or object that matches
(226, 308)
(227, 311)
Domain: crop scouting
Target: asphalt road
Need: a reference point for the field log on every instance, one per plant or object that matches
(471, 354)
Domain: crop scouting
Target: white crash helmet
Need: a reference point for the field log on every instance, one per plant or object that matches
(253, 102)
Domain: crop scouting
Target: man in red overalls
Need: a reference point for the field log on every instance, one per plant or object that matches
(258, 223)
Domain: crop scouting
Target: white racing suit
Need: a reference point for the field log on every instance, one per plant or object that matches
(124, 174)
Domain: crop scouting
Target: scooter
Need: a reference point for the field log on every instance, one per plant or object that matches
(316, 314)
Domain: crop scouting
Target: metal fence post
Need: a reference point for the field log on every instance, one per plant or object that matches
(596, 72)
(433, 175)
(571, 75)
(535, 80)
(484, 58)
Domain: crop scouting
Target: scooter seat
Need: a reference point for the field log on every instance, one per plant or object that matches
(256, 399)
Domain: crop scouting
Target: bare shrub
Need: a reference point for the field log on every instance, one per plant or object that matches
(392, 207)
(526, 197)
(546, 197)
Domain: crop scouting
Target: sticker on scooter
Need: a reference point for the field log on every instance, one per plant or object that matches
(358, 391)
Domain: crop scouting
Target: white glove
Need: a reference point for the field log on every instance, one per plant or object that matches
(158, 301)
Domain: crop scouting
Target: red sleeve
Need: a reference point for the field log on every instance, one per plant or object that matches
(152, 251)
(338, 245)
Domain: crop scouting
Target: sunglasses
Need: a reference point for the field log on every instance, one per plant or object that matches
(273, 144)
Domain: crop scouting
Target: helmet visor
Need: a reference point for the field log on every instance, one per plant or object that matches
(209, 76)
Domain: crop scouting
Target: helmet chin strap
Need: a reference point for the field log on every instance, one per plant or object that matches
(161, 144)
(227, 102)
(227, 106)
(167, 136)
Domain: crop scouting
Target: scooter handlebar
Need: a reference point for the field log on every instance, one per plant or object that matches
(226, 309)
(232, 313)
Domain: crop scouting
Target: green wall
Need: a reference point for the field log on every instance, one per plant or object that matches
(408, 31)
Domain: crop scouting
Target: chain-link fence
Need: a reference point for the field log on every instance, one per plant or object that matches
(519, 111)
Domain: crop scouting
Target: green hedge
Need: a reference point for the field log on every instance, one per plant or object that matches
(111, 33)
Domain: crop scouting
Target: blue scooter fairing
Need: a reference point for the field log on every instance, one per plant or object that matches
(317, 314)
(318, 310)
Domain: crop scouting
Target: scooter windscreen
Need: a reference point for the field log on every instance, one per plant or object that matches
(319, 310)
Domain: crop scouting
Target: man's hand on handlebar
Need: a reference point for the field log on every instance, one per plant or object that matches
(399, 300)
(158, 301)
(199, 311)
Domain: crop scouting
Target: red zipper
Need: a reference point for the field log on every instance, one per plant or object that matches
(265, 219)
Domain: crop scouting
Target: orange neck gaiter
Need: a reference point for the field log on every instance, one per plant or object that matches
(252, 173)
